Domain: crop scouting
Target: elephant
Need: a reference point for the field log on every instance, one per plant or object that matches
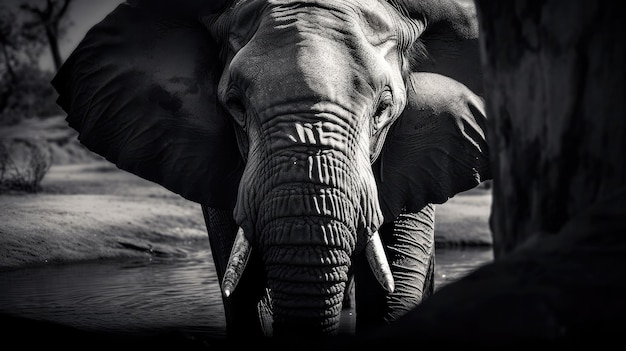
(317, 137)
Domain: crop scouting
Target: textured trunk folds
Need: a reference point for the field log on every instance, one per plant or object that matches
(307, 300)
(307, 205)
(307, 260)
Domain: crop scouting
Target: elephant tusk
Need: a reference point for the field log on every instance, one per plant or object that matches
(237, 261)
(377, 260)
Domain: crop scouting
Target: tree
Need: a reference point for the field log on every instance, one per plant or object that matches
(49, 18)
(25, 89)
(8, 44)
(19, 49)
(555, 83)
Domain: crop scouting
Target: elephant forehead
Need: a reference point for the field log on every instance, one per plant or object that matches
(238, 24)
(335, 51)
(370, 14)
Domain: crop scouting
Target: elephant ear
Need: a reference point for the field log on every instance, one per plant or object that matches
(449, 39)
(437, 147)
(140, 89)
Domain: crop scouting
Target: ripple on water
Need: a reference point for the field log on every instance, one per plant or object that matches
(180, 294)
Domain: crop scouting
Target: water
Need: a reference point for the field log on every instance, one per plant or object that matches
(452, 264)
(181, 294)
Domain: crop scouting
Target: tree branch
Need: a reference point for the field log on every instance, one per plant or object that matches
(49, 8)
(33, 9)
(62, 10)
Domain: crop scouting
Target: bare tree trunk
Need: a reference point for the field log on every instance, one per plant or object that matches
(555, 96)
(50, 18)
(53, 41)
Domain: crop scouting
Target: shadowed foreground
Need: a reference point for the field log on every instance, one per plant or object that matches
(26, 333)
(548, 292)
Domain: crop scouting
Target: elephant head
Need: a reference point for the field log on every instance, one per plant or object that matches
(315, 122)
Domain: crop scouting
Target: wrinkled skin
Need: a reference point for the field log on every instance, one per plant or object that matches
(310, 125)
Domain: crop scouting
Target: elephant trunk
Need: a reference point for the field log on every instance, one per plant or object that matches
(307, 202)
(307, 258)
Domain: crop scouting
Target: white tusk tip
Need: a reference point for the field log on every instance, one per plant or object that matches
(389, 286)
(375, 253)
(226, 292)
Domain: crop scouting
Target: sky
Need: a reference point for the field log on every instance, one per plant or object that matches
(81, 16)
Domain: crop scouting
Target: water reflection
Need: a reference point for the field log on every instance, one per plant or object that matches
(118, 297)
(452, 264)
(144, 295)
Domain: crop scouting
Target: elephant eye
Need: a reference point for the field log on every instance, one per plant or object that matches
(236, 108)
(383, 111)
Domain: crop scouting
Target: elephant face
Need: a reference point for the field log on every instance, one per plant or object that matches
(314, 122)
(311, 107)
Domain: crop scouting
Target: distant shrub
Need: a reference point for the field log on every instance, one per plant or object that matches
(23, 164)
